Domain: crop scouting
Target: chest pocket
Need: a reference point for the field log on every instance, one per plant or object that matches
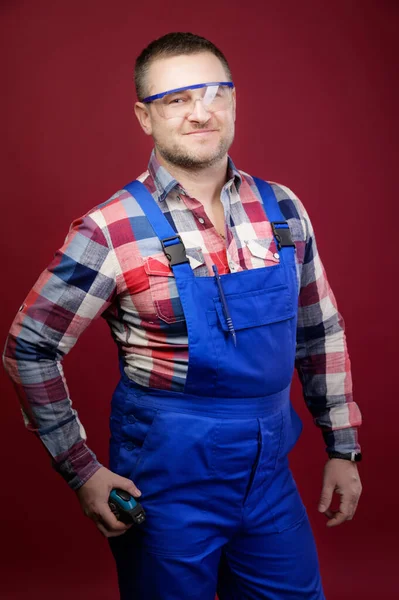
(261, 253)
(262, 361)
(163, 288)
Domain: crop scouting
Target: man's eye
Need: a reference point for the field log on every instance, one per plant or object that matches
(176, 99)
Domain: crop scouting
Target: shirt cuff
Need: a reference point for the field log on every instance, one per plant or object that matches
(342, 440)
(77, 466)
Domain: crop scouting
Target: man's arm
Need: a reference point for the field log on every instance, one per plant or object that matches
(322, 358)
(323, 366)
(77, 286)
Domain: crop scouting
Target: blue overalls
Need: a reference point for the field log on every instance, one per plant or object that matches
(222, 510)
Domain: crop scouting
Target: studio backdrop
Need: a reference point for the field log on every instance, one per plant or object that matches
(317, 111)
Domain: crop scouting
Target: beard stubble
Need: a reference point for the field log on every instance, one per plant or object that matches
(186, 159)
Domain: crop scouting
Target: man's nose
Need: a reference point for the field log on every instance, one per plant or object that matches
(199, 113)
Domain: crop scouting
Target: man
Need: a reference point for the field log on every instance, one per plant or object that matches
(214, 290)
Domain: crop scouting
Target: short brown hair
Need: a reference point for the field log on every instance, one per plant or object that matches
(172, 44)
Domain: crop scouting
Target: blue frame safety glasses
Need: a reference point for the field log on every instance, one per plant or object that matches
(181, 102)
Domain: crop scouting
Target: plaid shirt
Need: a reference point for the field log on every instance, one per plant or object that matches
(112, 265)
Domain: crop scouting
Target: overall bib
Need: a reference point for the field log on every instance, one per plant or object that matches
(223, 513)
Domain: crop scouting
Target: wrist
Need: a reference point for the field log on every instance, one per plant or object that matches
(77, 466)
(351, 456)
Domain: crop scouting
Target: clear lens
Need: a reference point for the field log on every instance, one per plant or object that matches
(182, 103)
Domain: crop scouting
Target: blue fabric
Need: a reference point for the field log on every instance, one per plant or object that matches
(223, 511)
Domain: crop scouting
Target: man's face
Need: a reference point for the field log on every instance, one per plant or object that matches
(201, 138)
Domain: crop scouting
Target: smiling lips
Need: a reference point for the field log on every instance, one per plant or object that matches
(201, 131)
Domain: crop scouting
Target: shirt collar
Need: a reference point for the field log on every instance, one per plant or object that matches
(165, 182)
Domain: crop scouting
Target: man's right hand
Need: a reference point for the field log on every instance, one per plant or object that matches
(93, 497)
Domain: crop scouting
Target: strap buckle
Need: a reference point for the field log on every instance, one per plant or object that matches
(282, 234)
(174, 252)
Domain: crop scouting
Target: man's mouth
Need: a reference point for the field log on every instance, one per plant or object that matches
(201, 131)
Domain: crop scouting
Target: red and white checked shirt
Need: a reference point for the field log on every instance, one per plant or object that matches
(112, 265)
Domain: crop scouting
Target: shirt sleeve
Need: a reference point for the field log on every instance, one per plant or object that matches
(77, 286)
(322, 359)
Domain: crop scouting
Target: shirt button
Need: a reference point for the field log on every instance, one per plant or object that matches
(129, 446)
(131, 419)
(201, 220)
(276, 255)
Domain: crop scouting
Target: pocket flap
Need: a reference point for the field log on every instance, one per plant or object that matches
(195, 257)
(159, 264)
(261, 249)
(254, 309)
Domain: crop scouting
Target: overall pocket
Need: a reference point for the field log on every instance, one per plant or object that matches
(173, 473)
(262, 363)
(135, 437)
(274, 486)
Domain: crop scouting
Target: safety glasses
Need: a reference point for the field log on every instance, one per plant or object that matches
(181, 102)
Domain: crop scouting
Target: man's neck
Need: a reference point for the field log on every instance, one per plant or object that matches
(205, 185)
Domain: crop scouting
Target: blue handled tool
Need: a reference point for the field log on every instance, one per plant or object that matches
(125, 507)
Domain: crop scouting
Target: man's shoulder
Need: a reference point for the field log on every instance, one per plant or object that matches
(119, 207)
(290, 205)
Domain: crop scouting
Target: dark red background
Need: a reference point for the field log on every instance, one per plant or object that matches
(317, 89)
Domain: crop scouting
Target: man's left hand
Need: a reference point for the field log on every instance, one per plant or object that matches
(340, 476)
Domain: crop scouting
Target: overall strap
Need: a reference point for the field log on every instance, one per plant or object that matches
(171, 242)
(279, 225)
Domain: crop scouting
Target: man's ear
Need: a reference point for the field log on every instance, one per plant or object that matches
(143, 117)
(234, 98)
